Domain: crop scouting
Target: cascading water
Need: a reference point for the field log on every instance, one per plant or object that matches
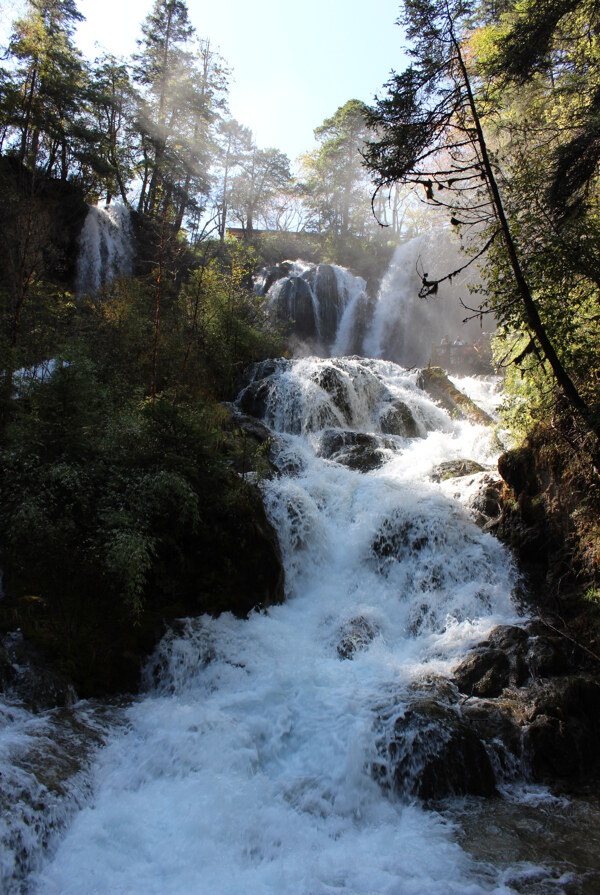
(329, 310)
(105, 247)
(287, 754)
(257, 760)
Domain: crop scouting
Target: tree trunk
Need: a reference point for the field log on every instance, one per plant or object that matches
(531, 312)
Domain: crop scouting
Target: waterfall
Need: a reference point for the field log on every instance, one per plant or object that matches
(248, 765)
(105, 247)
(404, 326)
(330, 314)
(280, 755)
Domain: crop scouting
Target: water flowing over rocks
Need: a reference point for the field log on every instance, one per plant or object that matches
(324, 305)
(327, 311)
(297, 750)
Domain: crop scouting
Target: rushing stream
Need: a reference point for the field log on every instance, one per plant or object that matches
(255, 761)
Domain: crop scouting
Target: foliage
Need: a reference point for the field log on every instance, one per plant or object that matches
(431, 133)
(336, 187)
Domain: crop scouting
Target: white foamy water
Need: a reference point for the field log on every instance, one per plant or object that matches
(105, 247)
(246, 767)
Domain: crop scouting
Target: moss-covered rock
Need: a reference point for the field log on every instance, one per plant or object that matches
(434, 381)
(454, 469)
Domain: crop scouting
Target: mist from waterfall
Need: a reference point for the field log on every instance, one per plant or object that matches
(105, 247)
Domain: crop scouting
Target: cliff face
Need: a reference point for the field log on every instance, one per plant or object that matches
(550, 517)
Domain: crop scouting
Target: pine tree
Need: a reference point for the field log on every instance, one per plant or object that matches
(45, 89)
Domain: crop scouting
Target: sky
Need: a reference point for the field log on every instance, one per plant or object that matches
(294, 63)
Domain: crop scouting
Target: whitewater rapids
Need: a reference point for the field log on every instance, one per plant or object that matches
(245, 767)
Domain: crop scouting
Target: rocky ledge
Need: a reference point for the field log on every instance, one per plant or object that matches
(524, 704)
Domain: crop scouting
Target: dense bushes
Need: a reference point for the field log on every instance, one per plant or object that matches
(121, 509)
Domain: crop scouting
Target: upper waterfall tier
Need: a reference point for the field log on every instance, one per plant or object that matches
(325, 304)
(105, 247)
(329, 313)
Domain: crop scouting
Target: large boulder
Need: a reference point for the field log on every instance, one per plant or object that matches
(355, 636)
(431, 753)
(325, 286)
(356, 450)
(434, 381)
(532, 704)
(399, 420)
(454, 469)
(295, 305)
(333, 382)
(26, 677)
(253, 400)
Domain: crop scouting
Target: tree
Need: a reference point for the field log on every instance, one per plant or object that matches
(44, 92)
(430, 133)
(337, 187)
(110, 138)
(235, 144)
(263, 172)
(180, 83)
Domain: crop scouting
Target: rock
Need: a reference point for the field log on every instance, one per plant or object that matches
(356, 450)
(530, 708)
(254, 399)
(434, 381)
(431, 753)
(399, 537)
(325, 286)
(484, 673)
(517, 468)
(295, 305)
(399, 420)
(26, 678)
(268, 276)
(561, 740)
(332, 382)
(488, 500)
(355, 636)
(454, 469)
(251, 426)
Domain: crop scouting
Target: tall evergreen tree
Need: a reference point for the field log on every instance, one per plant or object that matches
(45, 91)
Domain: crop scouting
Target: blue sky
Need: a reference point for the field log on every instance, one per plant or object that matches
(294, 63)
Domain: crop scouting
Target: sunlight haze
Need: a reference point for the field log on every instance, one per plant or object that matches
(292, 66)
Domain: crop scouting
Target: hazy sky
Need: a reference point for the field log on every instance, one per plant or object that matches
(293, 63)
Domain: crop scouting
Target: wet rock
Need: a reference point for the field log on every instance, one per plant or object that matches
(561, 739)
(27, 679)
(253, 401)
(399, 420)
(399, 537)
(270, 275)
(517, 468)
(355, 636)
(252, 427)
(294, 305)
(333, 382)
(488, 500)
(434, 381)
(454, 469)
(324, 283)
(356, 450)
(498, 723)
(531, 709)
(484, 673)
(431, 753)
(503, 660)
